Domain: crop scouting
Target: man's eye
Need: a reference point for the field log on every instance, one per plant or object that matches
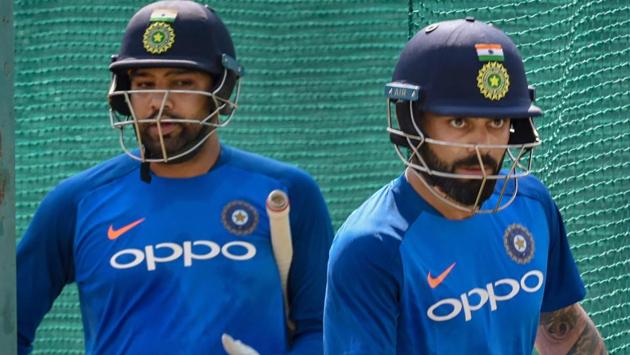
(497, 122)
(457, 122)
(143, 85)
(183, 83)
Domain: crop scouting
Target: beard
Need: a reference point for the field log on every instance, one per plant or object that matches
(175, 143)
(464, 191)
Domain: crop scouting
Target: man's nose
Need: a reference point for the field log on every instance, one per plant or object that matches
(157, 100)
(480, 135)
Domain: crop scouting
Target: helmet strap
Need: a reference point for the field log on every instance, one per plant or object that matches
(145, 172)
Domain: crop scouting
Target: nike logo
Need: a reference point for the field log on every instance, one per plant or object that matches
(115, 233)
(434, 282)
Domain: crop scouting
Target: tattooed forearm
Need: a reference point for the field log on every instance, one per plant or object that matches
(589, 342)
(568, 331)
(560, 324)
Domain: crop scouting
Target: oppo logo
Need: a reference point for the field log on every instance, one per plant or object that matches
(187, 251)
(451, 307)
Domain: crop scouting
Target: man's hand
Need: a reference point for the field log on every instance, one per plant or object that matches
(236, 347)
(568, 331)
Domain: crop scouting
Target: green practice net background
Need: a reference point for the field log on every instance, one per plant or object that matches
(577, 55)
(313, 96)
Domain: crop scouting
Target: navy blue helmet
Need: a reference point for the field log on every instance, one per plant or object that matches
(465, 68)
(175, 34)
(462, 68)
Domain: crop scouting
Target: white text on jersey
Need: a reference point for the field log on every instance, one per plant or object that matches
(236, 250)
(485, 295)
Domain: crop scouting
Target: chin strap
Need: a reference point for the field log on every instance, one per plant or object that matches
(145, 171)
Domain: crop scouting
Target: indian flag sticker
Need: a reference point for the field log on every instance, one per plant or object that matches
(163, 15)
(489, 52)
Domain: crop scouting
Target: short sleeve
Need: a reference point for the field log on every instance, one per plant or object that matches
(564, 285)
(362, 295)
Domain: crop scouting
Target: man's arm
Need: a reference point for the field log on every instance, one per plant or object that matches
(44, 263)
(362, 295)
(312, 233)
(568, 331)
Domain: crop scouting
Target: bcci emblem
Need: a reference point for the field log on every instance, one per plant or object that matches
(493, 81)
(519, 243)
(239, 217)
(158, 37)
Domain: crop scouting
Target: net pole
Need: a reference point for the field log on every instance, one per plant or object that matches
(8, 336)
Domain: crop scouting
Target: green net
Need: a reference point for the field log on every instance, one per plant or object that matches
(576, 54)
(313, 97)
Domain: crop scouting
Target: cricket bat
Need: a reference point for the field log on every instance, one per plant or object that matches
(278, 211)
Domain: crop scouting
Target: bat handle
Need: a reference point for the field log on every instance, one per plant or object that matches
(278, 208)
(278, 201)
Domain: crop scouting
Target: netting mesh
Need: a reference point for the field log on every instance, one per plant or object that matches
(313, 97)
(576, 54)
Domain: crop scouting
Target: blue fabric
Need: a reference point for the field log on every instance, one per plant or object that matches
(499, 272)
(196, 262)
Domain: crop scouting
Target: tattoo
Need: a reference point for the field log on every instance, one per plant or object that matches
(562, 327)
(558, 325)
(589, 342)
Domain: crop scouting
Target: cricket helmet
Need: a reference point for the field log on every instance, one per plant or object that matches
(175, 34)
(461, 68)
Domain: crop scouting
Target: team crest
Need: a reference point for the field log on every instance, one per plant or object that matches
(158, 38)
(239, 217)
(493, 81)
(519, 243)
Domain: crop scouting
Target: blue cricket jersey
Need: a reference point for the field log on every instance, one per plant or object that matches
(402, 279)
(167, 267)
